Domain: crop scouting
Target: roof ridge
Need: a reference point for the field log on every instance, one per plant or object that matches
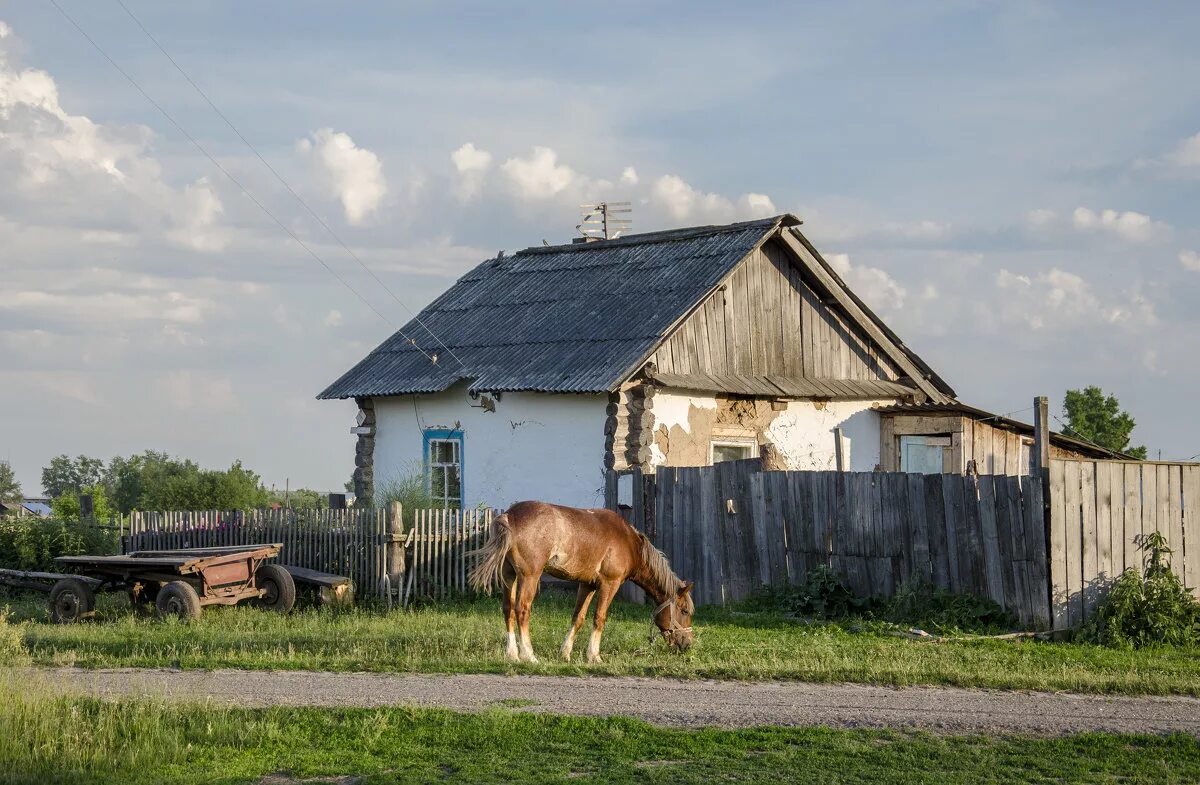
(665, 235)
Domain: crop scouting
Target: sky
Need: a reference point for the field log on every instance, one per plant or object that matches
(1013, 186)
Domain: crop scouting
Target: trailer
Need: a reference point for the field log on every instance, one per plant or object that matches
(177, 583)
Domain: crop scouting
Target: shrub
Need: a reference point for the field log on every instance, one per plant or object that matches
(1146, 609)
(33, 543)
(821, 596)
(920, 604)
(409, 489)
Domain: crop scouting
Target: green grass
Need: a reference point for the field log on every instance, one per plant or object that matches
(49, 739)
(468, 637)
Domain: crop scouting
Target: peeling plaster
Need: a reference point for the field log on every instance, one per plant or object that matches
(798, 437)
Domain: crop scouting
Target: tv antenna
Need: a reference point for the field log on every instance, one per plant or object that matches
(599, 222)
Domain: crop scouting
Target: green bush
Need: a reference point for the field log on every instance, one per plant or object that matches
(33, 543)
(821, 596)
(824, 596)
(920, 604)
(408, 488)
(1146, 609)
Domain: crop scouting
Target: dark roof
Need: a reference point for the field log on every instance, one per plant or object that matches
(581, 317)
(955, 407)
(564, 318)
(788, 387)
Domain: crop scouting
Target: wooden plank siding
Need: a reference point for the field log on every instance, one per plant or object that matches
(766, 320)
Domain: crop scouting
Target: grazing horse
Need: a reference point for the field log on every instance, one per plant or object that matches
(597, 548)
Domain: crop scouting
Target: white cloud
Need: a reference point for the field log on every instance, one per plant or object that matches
(333, 319)
(354, 174)
(1187, 153)
(1060, 299)
(472, 165)
(757, 206)
(64, 166)
(629, 176)
(194, 391)
(1190, 260)
(1129, 225)
(874, 286)
(1041, 217)
(540, 176)
(5, 30)
(684, 202)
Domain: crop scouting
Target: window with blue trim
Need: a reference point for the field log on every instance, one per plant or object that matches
(444, 467)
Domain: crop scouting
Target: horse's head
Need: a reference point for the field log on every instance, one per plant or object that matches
(674, 618)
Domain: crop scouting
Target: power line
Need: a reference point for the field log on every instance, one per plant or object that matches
(1074, 434)
(416, 317)
(233, 179)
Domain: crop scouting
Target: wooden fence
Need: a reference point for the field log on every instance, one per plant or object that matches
(441, 543)
(430, 558)
(1100, 511)
(734, 529)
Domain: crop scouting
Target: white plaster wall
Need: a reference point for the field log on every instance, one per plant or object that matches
(804, 434)
(548, 447)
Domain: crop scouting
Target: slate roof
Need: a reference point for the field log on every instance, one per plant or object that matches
(566, 318)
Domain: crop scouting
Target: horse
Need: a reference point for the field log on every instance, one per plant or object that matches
(596, 548)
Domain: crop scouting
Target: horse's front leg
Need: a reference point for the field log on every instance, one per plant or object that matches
(582, 600)
(608, 590)
(525, 594)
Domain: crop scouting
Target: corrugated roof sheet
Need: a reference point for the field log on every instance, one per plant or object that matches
(568, 318)
(788, 387)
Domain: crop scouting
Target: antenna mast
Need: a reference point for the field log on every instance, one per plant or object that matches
(599, 222)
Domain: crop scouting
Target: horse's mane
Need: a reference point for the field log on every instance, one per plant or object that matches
(660, 571)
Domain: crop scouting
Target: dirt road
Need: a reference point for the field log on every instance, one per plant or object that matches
(663, 701)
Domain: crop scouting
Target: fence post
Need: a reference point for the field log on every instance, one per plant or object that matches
(395, 545)
(1039, 458)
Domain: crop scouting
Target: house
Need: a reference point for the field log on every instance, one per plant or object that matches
(537, 371)
(30, 506)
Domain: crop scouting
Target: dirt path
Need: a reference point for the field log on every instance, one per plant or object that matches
(662, 701)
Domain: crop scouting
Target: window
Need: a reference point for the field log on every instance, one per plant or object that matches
(443, 462)
(923, 454)
(732, 451)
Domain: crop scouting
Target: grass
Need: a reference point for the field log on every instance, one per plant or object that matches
(468, 637)
(46, 738)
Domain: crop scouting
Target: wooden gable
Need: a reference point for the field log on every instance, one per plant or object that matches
(768, 319)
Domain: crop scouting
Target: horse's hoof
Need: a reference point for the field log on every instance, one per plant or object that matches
(532, 660)
(566, 655)
(512, 656)
(594, 660)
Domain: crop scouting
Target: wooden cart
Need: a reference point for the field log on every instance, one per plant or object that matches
(179, 583)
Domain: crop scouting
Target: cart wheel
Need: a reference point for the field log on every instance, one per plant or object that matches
(279, 590)
(71, 600)
(178, 599)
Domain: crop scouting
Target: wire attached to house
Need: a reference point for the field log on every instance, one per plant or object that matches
(416, 317)
(1071, 432)
(431, 357)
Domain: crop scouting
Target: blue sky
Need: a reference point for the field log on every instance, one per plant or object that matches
(1012, 185)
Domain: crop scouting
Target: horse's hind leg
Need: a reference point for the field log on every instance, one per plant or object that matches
(509, 598)
(608, 590)
(582, 600)
(525, 594)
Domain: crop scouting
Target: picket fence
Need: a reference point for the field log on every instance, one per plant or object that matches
(429, 558)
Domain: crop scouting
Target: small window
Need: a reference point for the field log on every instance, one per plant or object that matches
(732, 451)
(923, 454)
(443, 461)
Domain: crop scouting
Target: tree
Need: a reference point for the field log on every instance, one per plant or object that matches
(64, 474)
(10, 489)
(66, 506)
(1097, 418)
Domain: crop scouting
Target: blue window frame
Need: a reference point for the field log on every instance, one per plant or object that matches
(444, 466)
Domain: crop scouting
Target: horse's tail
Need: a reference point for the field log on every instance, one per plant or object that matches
(489, 571)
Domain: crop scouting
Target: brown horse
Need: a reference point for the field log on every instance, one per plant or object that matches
(597, 548)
